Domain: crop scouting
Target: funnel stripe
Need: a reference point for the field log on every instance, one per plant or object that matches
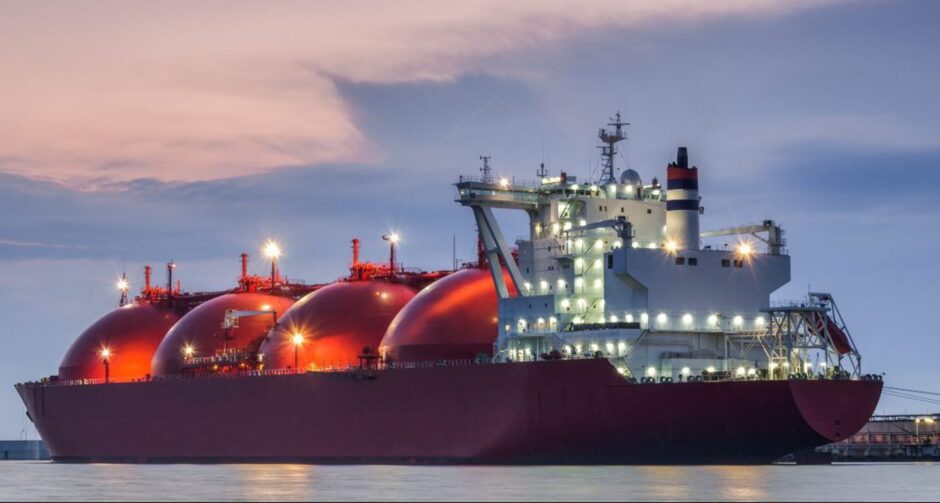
(682, 184)
(687, 204)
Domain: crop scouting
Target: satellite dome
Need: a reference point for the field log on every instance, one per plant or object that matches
(630, 177)
(202, 328)
(456, 318)
(335, 324)
(131, 334)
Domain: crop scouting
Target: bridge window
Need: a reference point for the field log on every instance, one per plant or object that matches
(725, 262)
(693, 261)
(680, 260)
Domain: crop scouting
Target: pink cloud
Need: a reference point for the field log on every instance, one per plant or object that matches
(177, 90)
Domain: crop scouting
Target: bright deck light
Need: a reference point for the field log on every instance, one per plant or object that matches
(297, 339)
(271, 249)
(745, 249)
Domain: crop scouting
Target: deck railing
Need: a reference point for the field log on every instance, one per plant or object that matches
(328, 369)
(361, 370)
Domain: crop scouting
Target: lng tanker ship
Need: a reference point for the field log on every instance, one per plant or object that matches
(616, 331)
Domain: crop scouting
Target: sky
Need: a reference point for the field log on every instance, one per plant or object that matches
(133, 133)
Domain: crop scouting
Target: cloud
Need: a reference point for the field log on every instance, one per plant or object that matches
(116, 91)
(314, 210)
(36, 244)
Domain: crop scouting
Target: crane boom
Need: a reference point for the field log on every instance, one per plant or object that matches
(774, 239)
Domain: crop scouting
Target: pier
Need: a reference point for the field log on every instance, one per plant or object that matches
(23, 450)
(891, 438)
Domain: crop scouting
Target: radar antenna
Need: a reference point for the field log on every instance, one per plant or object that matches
(542, 172)
(486, 170)
(610, 138)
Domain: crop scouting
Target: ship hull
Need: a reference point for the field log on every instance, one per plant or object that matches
(559, 412)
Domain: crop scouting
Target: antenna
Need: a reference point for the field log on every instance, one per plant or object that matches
(123, 287)
(610, 138)
(485, 169)
(542, 172)
(543, 147)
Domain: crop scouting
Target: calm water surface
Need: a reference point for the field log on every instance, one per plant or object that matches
(847, 482)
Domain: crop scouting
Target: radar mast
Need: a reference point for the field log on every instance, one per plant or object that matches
(485, 169)
(610, 138)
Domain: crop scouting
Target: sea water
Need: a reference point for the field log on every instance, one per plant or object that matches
(840, 482)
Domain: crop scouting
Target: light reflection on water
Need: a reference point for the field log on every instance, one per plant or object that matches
(740, 482)
(850, 482)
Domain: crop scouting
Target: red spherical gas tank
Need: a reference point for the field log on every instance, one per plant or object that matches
(334, 324)
(131, 335)
(201, 329)
(455, 318)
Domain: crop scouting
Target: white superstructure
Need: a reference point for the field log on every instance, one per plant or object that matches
(616, 269)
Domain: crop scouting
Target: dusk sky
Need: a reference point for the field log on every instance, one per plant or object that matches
(132, 133)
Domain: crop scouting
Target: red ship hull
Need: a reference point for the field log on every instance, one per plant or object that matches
(557, 412)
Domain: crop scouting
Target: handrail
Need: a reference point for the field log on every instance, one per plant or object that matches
(357, 369)
(341, 369)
